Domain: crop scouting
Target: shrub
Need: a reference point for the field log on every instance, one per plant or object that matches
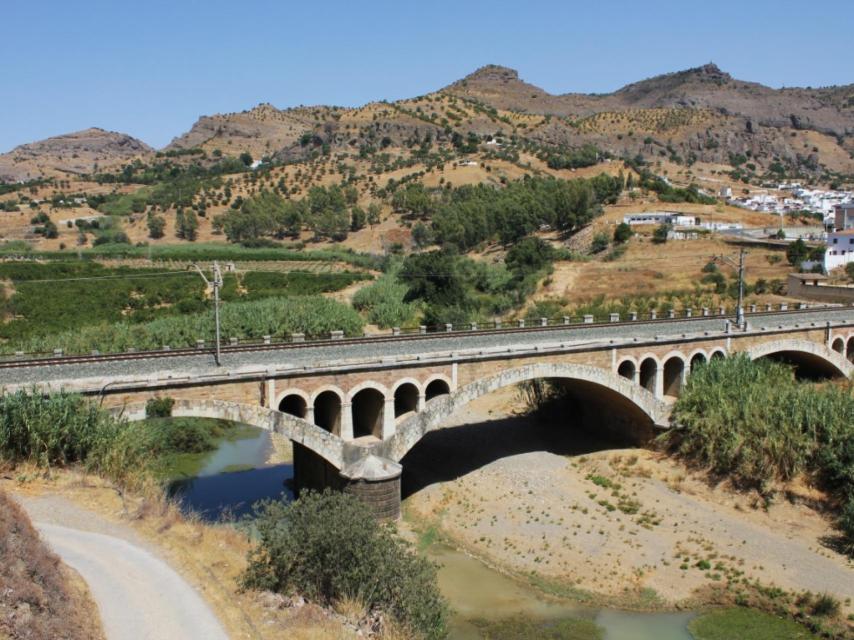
(600, 243)
(159, 407)
(622, 233)
(328, 547)
(754, 422)
(659, 236)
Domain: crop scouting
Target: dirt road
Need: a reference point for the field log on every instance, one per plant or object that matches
(139, 596)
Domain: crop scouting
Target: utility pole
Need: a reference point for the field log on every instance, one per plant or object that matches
(215, 284)
(739, 312)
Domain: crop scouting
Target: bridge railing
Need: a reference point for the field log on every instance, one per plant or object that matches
(529, 322)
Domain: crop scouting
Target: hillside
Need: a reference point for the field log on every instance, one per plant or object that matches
(70, 155)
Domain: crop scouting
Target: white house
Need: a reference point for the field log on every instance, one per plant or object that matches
(660, 217)
(840, 249)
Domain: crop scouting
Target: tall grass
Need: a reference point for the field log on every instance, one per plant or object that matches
(314, 316)
(752, 421)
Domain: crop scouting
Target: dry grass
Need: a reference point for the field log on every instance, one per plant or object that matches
(40, 598)
(211, 558)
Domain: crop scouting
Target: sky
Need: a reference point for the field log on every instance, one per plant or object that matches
(151, 68)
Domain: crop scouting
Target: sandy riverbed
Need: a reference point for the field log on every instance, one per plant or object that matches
(539, 498)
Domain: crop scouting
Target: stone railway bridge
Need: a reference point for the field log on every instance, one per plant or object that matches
(354, 408)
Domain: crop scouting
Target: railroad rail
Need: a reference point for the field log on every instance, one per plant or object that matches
(436, 333)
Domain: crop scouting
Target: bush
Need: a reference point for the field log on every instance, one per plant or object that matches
(328, 547)
(622, 233)
(659, 236)
(755, 423)
(600, 243)
(159, 408)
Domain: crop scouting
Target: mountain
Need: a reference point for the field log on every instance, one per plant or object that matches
(829, 110)
(701, 114)
(70, 154)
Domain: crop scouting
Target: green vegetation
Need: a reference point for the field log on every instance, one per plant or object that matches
(328, 211)
(746, 624)
(383, 301)
(64, 429)
(586, 156)
(277, 317)
(328, 547)
(201, 252)
(457, 289)
(753, 422)
(524, 629)
(56, 297)
(470, 215)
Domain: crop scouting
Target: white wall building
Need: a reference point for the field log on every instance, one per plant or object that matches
(840, 249)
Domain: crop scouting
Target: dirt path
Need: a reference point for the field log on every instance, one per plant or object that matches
(139, 596)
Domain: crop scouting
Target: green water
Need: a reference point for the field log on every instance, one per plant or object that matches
(477, 592)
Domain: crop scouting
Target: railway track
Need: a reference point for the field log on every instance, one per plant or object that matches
(438, 334)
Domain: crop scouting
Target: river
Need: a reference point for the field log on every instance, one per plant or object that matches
(238, 474)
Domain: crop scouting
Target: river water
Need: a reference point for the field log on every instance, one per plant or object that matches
(237, 475)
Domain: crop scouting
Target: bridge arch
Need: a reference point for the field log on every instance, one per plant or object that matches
(838, 345)
(437, 385)
(594, 380)
(368, 403)
(673, 373)
(294, 402)
(649, 372)
(327, 405)
(407, 393)
(325, 444)
(717, 353)
(809, 358)
(628, 368)
(696, 358)
(849, 352)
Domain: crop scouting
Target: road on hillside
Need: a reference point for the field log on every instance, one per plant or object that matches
(139, 596)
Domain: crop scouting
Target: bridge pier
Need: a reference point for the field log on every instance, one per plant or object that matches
(373, 480)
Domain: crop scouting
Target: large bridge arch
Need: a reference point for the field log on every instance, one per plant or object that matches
(809, 358)
(618, 389)
(321, 442)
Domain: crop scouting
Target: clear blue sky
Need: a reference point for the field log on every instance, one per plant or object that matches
(151, 68)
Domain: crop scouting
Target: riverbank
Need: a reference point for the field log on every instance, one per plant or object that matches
(624, 527)
(210, 558)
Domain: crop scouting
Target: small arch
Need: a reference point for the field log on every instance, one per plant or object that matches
(368, 406)
(717, 354)
(405, 398)
(674, 370)
(327, 411)
(698, 359)
(435, 388)
(294, 404)
(839, 345)
(627, 369)
(850, 350)
(649, 374)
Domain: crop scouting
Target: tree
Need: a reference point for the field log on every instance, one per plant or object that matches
(797, 252)
(246, 158)
(421, 235)
(374, 211)
(622, 233)
(156, 226)
(849, 269)
(529, 255)
(435, 278)
(659, 236)
(357, 219)
(600, 243)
